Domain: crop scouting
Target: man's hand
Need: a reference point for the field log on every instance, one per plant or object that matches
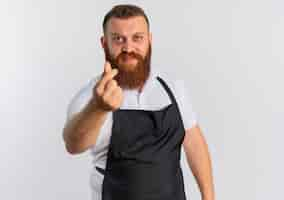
(107, 92)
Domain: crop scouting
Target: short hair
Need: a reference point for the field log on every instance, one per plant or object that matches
(124, 11)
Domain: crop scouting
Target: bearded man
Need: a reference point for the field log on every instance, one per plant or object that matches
(135, 122)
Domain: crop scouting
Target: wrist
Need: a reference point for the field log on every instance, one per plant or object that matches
(94, 107)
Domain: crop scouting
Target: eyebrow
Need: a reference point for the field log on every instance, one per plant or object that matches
(137, 33)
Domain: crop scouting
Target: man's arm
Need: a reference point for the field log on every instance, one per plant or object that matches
(81, 132)
(198, 158)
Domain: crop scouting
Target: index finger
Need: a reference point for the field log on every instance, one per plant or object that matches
(107, 67)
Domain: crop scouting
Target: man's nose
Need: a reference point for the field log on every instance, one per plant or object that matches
(127, 47)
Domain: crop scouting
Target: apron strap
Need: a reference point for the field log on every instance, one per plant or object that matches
(101, 170)
(171, 95)
(168, 90)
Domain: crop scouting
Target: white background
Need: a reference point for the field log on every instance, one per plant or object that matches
(229, 52)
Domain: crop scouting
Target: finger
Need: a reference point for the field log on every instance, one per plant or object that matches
(111, 83)
(110, 90)
(106, 78)
(109, 76)
(117, 94)
(107, 67)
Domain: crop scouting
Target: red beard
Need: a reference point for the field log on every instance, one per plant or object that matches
(130, 77)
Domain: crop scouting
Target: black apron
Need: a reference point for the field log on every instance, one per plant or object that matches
(143, 160)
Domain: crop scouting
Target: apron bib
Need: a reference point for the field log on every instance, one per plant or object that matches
(143, 160)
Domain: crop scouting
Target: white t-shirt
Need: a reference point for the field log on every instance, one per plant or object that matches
(153, 97)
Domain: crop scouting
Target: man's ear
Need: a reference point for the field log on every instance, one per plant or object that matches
(150, 38)
(103, 42)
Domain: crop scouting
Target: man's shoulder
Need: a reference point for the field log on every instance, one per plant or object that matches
(174, 82)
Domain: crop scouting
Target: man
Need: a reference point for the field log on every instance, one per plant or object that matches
(134, 121)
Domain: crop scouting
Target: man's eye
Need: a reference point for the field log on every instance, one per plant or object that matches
(138, 37)
(118, 39)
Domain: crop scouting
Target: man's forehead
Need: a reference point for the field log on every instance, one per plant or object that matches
(132, 25)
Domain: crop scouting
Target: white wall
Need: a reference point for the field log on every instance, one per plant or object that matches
(229, 52)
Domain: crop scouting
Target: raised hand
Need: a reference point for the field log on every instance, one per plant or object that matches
(108, 94)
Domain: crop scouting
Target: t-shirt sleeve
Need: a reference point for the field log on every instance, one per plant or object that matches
(183, 98)
(81, 98)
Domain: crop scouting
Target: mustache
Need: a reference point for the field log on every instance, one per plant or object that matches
(131, 54)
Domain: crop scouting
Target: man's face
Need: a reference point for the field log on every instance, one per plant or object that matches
(127, 46)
